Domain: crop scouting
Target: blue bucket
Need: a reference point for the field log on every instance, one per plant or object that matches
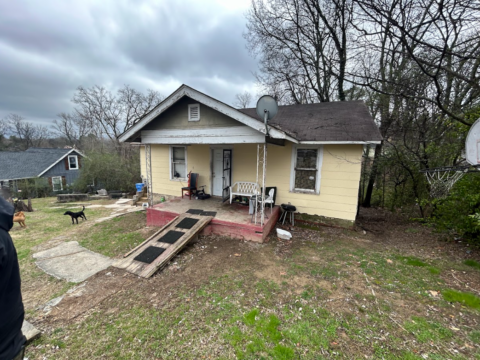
(139, 186)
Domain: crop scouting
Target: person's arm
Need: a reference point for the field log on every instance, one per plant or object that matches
(3, 255)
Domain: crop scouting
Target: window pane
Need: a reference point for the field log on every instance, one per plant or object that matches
(57, 183)
(307, 158)
(179, 171)
(178, 154)
(73, 162)
(305, 179)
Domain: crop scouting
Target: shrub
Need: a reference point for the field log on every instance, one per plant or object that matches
(32, 188)
(109, 171)
(458, 211)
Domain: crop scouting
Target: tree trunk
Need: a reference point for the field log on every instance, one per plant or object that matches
(373, 176)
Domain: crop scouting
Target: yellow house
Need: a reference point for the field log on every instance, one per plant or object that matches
(312, 153)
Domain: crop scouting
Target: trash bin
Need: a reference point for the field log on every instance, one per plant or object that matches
(139, 186)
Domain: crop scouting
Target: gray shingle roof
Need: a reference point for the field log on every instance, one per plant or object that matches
(329, 121)
(29, 163)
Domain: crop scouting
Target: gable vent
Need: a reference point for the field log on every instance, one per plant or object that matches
(193, 112)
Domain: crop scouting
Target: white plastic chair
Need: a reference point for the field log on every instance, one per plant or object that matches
(269, 199)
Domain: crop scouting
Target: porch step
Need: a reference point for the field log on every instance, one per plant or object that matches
(139, 261)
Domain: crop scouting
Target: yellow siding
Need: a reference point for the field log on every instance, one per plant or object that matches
(340, 175)
(244, 162)
(198, 161)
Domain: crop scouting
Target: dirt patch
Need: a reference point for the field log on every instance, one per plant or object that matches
(92, 292)
(397, 232)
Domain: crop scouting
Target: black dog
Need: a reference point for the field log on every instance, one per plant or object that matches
(76, 215)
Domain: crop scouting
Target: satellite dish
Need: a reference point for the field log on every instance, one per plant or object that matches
(267, 105)
(472, 144)
(267, 108)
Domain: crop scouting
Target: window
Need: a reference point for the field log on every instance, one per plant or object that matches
(306, 169)
(57, 183)
(72, 162)
(178, 162)
(194, 112)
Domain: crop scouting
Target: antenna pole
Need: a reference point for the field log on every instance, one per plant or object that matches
(265, 119)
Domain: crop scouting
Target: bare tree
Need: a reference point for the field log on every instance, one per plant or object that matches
(4, 127)
(72, 127)
(302, 45)
(243, 100)
(440, 38)
(110, 115)
(28, 134)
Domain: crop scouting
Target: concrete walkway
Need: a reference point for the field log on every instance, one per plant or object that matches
(71, 262)
(30, 331)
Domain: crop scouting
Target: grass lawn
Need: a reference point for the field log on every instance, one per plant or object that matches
(329, 293)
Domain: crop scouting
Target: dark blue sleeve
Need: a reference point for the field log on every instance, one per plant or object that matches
(3, 254)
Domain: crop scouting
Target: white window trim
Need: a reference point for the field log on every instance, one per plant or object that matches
(61, 183)
(189, 107)
(170, 156)
(76, 161)
(319, 168)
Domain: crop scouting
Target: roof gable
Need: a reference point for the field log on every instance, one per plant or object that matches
(206, 100)
(30, 163)
(176, 117)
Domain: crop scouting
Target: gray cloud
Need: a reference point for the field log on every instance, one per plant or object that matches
(48, 49)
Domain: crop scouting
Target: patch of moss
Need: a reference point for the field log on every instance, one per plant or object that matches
(464, 298)
(412, 261)
(472, 263)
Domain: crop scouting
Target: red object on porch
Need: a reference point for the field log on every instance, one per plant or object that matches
(192, 184)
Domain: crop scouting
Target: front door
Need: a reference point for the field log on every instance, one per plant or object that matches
(217, 172)
(227, 173)
(222, 172)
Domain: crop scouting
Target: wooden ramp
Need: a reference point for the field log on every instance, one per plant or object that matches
(155, 252)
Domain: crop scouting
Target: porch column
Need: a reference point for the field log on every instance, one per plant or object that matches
(261, 179)
(148, 171)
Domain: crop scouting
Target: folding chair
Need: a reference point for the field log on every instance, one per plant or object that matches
(269, 199)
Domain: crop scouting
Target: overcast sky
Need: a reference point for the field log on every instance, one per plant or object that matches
(48, 48)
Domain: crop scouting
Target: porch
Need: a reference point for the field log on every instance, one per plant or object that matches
(231, 220)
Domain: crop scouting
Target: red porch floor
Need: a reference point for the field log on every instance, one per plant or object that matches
(231, 220)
